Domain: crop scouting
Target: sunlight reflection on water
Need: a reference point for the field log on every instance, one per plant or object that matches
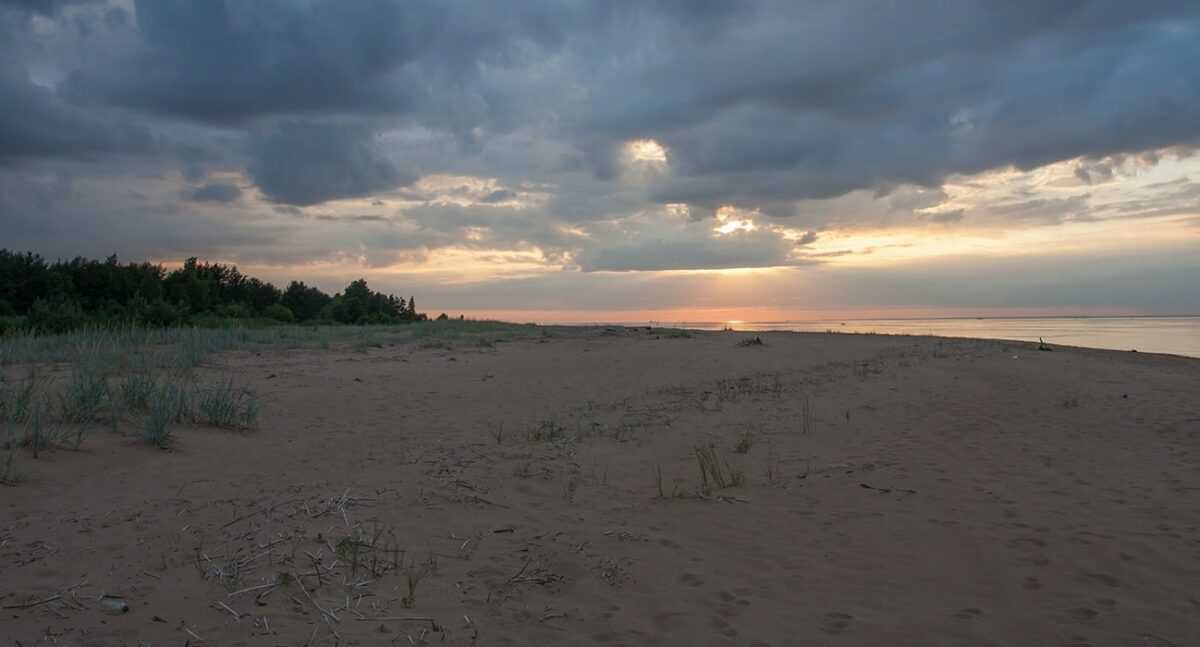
(1175, 335)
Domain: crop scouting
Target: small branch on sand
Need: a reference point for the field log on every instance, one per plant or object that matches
(225, 607)
(885, 490)
(520, 572)
(323, 611)
(399, 619)
(35, 603)
(253, 588)
(27, 605)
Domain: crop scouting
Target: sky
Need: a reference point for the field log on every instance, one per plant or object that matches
(671, 160)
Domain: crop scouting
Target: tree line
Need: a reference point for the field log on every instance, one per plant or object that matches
(65, 295)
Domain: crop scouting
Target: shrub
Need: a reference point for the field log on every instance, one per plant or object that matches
(234, 311)
(279, 312)
(160, 313)
(11, 325)
(55, 318)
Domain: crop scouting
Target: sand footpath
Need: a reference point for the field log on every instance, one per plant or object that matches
(635, 487)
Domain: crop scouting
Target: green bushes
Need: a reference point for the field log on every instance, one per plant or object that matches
(12, 325)
(54, 318)
(279, 312)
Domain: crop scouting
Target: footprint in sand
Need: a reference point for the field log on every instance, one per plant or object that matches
(836, 623)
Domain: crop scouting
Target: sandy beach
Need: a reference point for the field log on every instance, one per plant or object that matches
(634, 487)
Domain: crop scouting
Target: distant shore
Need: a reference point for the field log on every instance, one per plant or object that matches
(1173, 335)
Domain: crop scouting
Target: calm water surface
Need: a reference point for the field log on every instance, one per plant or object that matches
(1175, 335)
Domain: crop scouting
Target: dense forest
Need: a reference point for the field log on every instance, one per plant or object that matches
(64, 295)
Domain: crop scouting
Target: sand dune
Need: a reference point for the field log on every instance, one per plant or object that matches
(877, 491)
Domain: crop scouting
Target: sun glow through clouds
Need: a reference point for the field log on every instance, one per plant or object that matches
(732, 220)
(646, 150)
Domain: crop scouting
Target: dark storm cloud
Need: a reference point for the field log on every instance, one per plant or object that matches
(35, 122)
(757, 101)
(226, 62)
(816, 100)
(305, 163)
(43, 7)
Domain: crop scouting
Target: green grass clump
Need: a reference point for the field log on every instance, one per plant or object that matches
(227, 406)
(17, 401)
(716, 473)
(137, 389)
(39, 434)
(8, 467)
(84, 394)
(168, 405)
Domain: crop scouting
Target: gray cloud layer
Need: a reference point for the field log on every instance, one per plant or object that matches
(762, 104)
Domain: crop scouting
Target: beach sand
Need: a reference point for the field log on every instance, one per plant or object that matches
(878, 491)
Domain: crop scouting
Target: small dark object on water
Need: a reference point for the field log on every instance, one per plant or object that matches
(272, 376)
(358, 379)
(1042, 345)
